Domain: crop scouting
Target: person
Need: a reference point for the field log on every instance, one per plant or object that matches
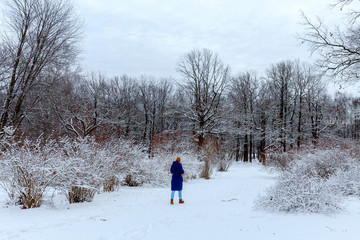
(176, 180)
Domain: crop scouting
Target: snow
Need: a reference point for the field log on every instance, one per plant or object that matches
(219, 208)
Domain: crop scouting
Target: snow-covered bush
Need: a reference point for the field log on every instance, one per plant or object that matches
(224, 160)
(346, 180)
(314, 182)
(121, 162)
(191, 164)
(80, 168)
(214, 158)
(156, 171)
(277, 159)
(27, 170)
(95, 166)
(110, 184)
(295, 191)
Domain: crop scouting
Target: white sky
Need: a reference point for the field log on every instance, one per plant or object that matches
(148, 36)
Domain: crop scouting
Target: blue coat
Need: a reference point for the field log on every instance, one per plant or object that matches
(177, 180)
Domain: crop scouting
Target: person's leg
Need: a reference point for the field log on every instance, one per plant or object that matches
(180, 197)
(172, 197)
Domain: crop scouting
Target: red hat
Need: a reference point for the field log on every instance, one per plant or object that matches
(178, 159)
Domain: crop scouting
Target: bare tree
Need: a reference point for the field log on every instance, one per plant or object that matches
(318, 103)
(123, 107)
(153, 97)
(338, 49)
(264, 106)
(81, 110)
(243, 94)
(353, 14)
(41, 41)
(304, 78)
(281, 75)
(204, 80)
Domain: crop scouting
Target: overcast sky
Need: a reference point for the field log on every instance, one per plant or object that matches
(148, 36)
(137, 37)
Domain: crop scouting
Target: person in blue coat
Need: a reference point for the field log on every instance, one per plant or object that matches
(176, 180)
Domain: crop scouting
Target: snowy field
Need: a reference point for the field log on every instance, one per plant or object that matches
(220, 208)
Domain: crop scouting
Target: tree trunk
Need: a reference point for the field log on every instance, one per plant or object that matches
(299, 137)
(246, 149)
(251, 147)
(237, 148)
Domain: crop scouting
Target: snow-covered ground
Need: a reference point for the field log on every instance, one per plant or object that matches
(220, 208)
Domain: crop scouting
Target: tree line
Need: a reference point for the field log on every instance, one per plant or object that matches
(246, 114)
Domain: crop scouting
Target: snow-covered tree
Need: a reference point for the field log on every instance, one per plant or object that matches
(205, 79)
(40, 43)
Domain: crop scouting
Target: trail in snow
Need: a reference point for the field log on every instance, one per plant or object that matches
(219, 208)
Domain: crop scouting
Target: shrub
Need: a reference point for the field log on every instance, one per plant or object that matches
(130, 182)
(80, 194)
(346, 180)
(296, 192)
(27, 171)
(224, 160)
(80, 168)
(156, 170)
(110, 184)
(93, 166)
(277, 159)
(314, 181)
(214, 157)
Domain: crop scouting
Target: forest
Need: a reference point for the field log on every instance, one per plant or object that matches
(88, 132)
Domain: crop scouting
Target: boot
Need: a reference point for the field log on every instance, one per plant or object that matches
(171, 201)
(181, 201)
